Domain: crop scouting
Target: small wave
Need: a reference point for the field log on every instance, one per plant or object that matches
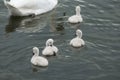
(80, 1)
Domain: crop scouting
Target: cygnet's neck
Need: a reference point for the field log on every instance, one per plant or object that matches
(79, 35)
(77, 10)
(49, 43)
(36, 53)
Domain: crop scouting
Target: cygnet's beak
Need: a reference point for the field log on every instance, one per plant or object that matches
(51, 45)
(75, 34)
(54, 54)
(33, 53)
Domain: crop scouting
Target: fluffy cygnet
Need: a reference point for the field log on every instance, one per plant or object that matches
(77, 41)
(77, 17)
(38, 60)
(50, 49)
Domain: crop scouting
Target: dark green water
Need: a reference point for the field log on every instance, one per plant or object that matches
(98, 60)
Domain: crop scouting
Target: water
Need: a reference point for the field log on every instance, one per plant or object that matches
(99, 59)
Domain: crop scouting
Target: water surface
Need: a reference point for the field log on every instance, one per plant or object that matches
(99, 59)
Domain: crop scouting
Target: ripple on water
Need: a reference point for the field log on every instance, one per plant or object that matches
(98, 59)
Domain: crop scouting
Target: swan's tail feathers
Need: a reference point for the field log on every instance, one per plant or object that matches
(12, 10)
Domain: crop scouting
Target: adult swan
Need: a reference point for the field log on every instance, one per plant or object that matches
(29, 7)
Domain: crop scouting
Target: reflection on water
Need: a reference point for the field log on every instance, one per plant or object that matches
(13, 23)
(38, 69)
(75, 26)
(26, 24)
(33, 24)
(57, 24)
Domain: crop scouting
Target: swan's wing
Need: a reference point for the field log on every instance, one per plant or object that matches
(27, 7)
(30, 4)
(47, 51)
(41, 61)
(82, 42)
(71, 42)
(12, 10)
(55, 49)
(76, 42)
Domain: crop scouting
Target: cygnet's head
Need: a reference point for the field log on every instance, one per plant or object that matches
(79, 33)
(35, 51)
(49, 42)
(78, 9)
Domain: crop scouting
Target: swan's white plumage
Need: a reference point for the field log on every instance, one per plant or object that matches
(28, 7)
(50, 49)
(77, 17)
(38, 60)
(55, 49)
(77, 41)
(47, 51)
